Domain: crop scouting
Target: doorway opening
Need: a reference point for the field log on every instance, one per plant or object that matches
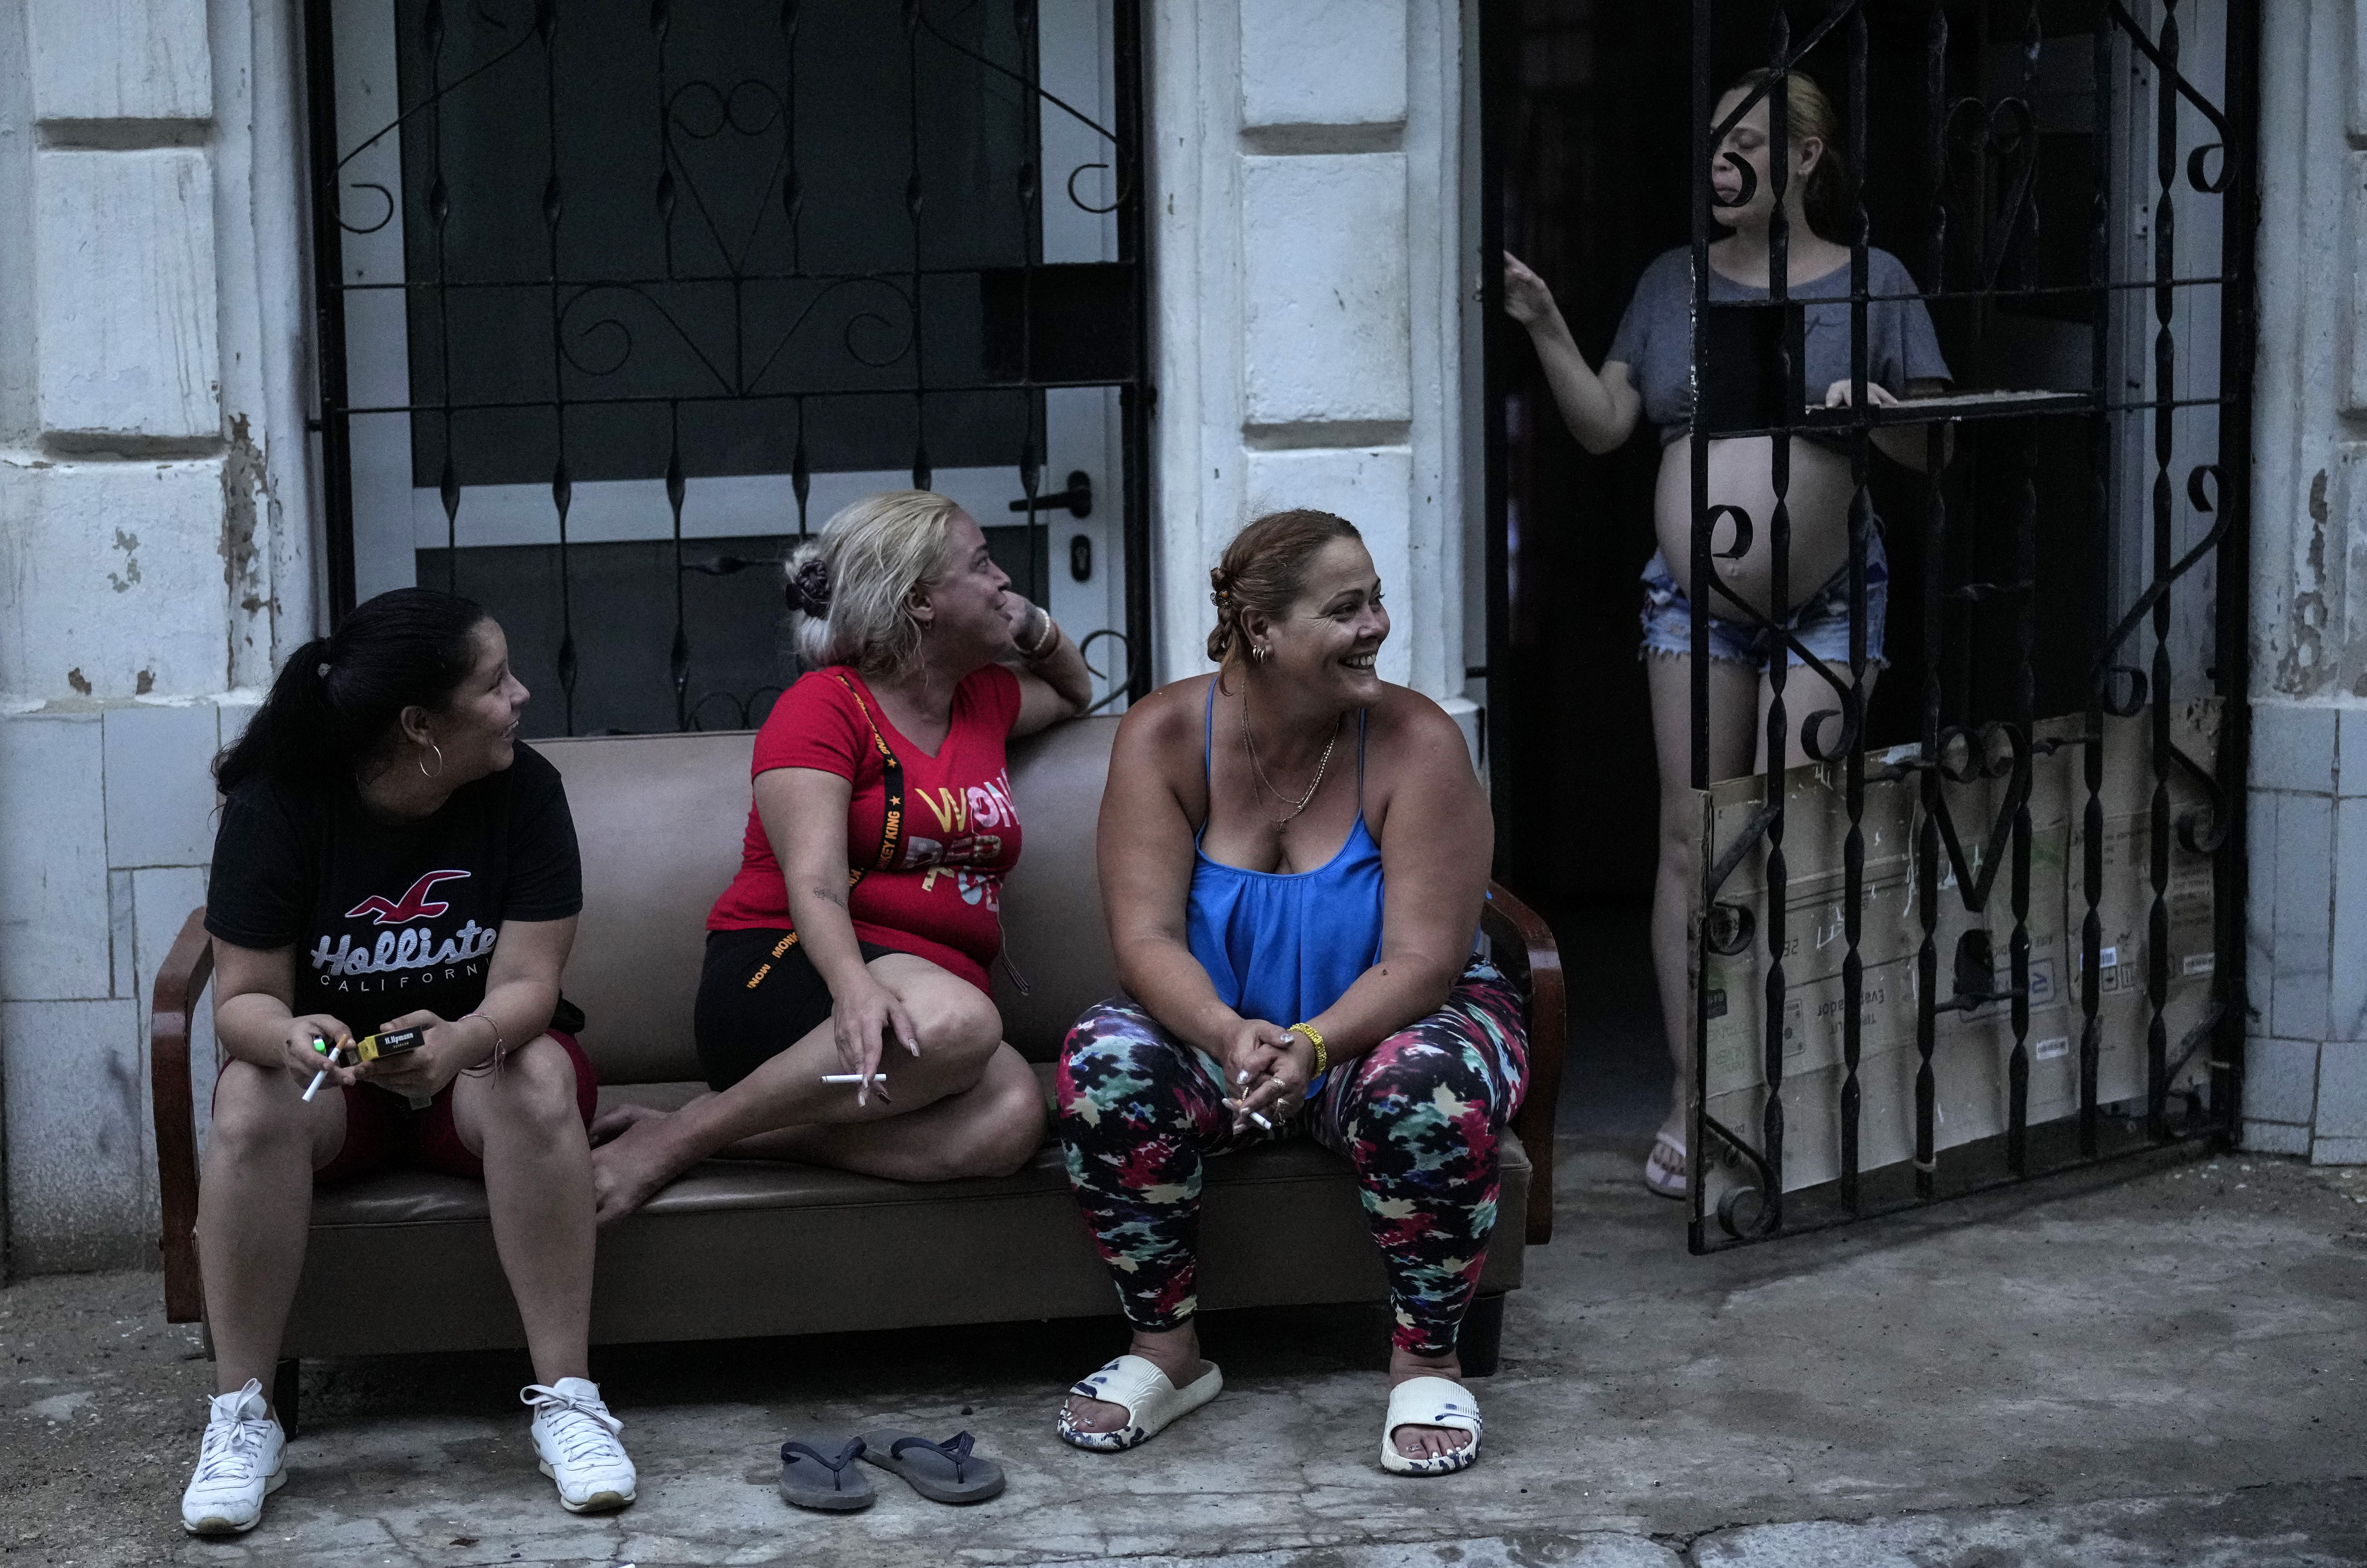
(2060, 176)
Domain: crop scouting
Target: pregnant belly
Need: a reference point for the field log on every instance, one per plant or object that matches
(1741, 474)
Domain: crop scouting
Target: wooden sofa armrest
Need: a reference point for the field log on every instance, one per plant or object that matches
(179, 984)
(1525, 950)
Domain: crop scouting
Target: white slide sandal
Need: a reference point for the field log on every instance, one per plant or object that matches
(1429, 1402)
(1150, 1399)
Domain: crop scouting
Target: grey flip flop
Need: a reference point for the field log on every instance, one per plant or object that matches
(942, 1472)
(812, 1479)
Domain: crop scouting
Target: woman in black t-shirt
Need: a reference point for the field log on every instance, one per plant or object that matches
(390, 857)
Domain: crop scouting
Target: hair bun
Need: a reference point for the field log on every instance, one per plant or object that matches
(809, 589)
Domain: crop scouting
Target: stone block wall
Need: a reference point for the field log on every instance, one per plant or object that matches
(2305, 1052)
(154, 549)
(1310, 274)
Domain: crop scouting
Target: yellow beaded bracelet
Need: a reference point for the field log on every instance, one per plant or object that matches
(1322, 1057)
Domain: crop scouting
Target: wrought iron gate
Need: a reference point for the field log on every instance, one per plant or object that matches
(583, 270)
(2012, 944)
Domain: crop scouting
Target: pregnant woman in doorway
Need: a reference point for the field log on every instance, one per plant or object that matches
(1648, 374)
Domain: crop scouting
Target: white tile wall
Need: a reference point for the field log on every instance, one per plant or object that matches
(1361, 46)
(2351, 747)
(1324, 304)
(2275, 1138)
(2334, 1151)
(115, 573)
(2281, 1080)
(121, 59)
(2300, 860)
(2293, 748)
(123, 258)
(154, 757)
(55, 929)
(2347, 985)
(2342, 1089)
(80, 1177)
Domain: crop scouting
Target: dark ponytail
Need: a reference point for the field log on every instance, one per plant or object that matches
(337, 699)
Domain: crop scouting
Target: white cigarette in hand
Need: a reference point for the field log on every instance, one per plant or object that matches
(1261, 1121)
(314, 1088)
(852, 1078)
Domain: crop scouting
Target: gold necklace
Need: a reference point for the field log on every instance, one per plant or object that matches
(1250, 744)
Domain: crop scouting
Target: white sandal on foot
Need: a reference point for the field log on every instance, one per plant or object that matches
(1659, 1175)
(1429, 1402)
(1150, 1402)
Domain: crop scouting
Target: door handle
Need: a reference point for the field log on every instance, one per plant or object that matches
(1077, 500)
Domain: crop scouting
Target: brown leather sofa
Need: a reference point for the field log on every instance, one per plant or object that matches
(404, 1261)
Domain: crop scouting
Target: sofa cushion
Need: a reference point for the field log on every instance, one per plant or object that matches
(659, 818)
(406, 1261)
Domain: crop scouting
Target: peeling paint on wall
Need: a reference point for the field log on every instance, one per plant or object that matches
(75, 679)
(2303, 669)
(245, 474)
(129, 545)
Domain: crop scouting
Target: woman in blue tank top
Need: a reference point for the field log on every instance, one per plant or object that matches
(1293, 855)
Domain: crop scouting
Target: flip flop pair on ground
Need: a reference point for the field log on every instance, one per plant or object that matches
(942, 1472)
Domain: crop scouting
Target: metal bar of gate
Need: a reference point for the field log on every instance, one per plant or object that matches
(1998, 221)
(329, 310)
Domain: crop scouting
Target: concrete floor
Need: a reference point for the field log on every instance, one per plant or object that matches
(2155, 1366)
(2160, 1368)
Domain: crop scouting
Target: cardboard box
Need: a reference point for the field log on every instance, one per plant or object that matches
(1973, 1040)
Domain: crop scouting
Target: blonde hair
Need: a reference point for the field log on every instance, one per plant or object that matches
(869, 558)
(1808, 113)
(1264, 569)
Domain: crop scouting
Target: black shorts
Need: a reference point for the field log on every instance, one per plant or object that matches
(758, 994)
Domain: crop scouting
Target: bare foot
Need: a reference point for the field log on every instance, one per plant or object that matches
(1664, 1167)
(1426, 1443)
(1175, 1352)
(630, 1169)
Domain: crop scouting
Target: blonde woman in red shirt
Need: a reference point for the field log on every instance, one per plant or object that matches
(855, 940)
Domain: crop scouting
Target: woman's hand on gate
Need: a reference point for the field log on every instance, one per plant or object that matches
(1837, 396)
(1527, 298)
(862, 1018)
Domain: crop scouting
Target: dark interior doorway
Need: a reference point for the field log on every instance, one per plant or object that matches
(1588, 106)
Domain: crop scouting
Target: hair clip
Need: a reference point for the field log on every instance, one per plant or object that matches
(322, 670)
(810, 587)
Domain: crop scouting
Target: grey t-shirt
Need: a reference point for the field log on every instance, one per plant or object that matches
(1656, 341)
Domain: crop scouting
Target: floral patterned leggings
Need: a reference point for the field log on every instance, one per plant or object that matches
(1418, 1115)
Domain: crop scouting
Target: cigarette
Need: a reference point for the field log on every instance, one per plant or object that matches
(1261, 1121)
(852, 1078)
(320, 1078)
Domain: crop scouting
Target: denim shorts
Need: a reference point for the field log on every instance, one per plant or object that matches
(1820, 622)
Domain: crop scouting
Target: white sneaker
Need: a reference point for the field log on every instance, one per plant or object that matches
(577, 1439)
(241, 1460)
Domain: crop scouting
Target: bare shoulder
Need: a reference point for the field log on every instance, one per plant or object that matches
(1405, 723)
(1164, 729)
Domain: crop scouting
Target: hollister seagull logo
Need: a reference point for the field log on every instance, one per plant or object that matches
(412, 906)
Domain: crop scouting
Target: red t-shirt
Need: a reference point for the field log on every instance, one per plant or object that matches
(943, 899)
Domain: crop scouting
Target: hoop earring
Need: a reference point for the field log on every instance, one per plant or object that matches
(1257, 653)
(439, 762)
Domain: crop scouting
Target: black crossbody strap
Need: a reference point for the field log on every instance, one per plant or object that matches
(892, 820)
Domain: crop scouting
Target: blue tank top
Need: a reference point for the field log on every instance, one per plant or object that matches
(1284, 946)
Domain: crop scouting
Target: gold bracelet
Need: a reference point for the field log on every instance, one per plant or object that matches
(1322, 1057)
